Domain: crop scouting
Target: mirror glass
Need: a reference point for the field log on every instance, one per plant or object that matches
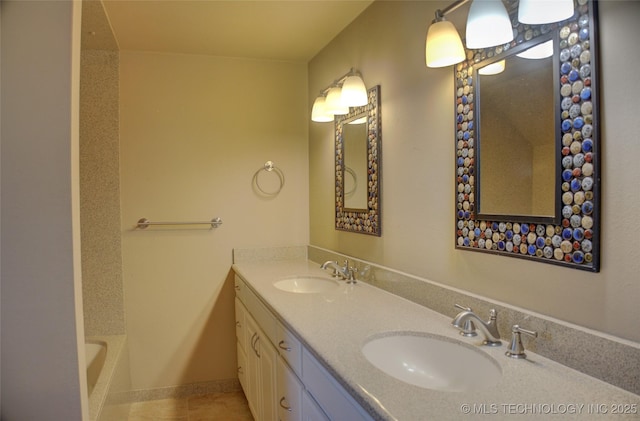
(354, 142)
(358, 140)
(527, 145)
(517, 159)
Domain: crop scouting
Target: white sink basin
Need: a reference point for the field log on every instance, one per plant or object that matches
(307, 284)
(432, 362)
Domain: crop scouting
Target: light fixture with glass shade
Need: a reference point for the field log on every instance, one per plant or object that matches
(318, 112)
(345, 92)
(536, 12)
(488, 24)
(443, 45)
(333, 103)
(354, 93)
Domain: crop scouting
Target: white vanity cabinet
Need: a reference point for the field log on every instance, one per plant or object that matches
(257, 359)
(282, 380)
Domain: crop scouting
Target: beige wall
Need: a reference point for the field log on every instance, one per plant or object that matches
(194, 130)
(43, 372)
(386, 43)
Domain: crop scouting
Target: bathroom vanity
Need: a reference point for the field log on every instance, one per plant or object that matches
(301, 340)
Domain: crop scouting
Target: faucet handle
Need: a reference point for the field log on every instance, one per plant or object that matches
(516, 349)
(353, 272)
(462, 307)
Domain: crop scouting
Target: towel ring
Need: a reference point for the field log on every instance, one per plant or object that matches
(269, 166)
(348, 170)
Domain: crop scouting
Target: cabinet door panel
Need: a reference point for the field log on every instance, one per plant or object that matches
(242, 367)
(241, 330)
(330, 395)
(289, 394)
(310, 409)
(268, 377)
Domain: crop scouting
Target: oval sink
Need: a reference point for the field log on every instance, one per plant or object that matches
(432, 362)
(306, 284)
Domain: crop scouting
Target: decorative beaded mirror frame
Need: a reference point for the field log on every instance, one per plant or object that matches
(364, 221)
(572, 238)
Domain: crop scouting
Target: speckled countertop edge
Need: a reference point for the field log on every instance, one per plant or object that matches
(336, 325)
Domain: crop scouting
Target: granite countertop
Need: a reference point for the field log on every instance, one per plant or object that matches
(334, 326)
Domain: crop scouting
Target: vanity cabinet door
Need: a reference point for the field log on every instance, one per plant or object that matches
(241, 330)
(330, 395)
(242, 367)
(310, 409)
(289, 394)
(268, 377)
(252, 375)
(261, 373)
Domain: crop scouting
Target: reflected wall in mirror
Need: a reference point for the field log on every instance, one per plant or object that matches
(354, 143)
(357, 149)
(518, 139)
(527, 163)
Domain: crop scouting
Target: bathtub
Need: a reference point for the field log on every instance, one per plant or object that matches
(108, 379)
(96, 353)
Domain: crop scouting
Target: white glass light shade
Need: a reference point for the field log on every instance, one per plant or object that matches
(354, 93)
(318, 112)
(539, 51)
(333, 103)
(488, 24)
(536, 12)
(493, 68)
(443, 47)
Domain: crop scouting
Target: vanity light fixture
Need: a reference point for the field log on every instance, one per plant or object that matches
(444, 46)
(348, 91)
(488, 24)
(333, 103)
(319, 112)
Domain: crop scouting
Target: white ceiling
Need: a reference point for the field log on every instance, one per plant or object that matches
(293, 30)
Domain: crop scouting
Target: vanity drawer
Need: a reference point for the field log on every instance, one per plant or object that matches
(262, 315)
(289, 348)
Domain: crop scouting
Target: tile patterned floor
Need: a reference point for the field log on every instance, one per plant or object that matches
(229, 406)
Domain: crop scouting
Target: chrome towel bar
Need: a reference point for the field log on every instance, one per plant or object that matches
(144, 223)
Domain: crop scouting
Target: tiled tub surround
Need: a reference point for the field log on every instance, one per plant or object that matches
(335, 326)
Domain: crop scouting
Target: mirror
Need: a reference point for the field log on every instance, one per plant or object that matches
(357, 167)
(518, 139)
(527, 145)
(354, 143)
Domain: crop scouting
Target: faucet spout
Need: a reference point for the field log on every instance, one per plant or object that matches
(489, 328)
(344, 272)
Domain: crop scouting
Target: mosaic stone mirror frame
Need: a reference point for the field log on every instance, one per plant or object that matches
(364, 221)
(572, 239)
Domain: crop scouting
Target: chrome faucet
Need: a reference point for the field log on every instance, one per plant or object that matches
(489, 329)
(343, 272)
